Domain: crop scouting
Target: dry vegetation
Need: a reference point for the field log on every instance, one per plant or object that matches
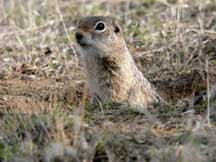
(44, 111)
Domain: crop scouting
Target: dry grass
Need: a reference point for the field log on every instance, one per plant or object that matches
(45, 115)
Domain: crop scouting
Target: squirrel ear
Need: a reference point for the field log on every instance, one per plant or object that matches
(117, 28)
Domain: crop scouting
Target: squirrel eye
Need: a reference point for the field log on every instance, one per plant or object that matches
(100, 27)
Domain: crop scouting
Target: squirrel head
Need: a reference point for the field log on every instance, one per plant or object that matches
(99, 33)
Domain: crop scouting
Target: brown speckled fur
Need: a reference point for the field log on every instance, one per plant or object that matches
(111, 71)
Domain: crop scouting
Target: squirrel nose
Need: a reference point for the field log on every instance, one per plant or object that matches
(78, 36)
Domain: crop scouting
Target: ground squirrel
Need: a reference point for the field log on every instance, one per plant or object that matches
(111, 71)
